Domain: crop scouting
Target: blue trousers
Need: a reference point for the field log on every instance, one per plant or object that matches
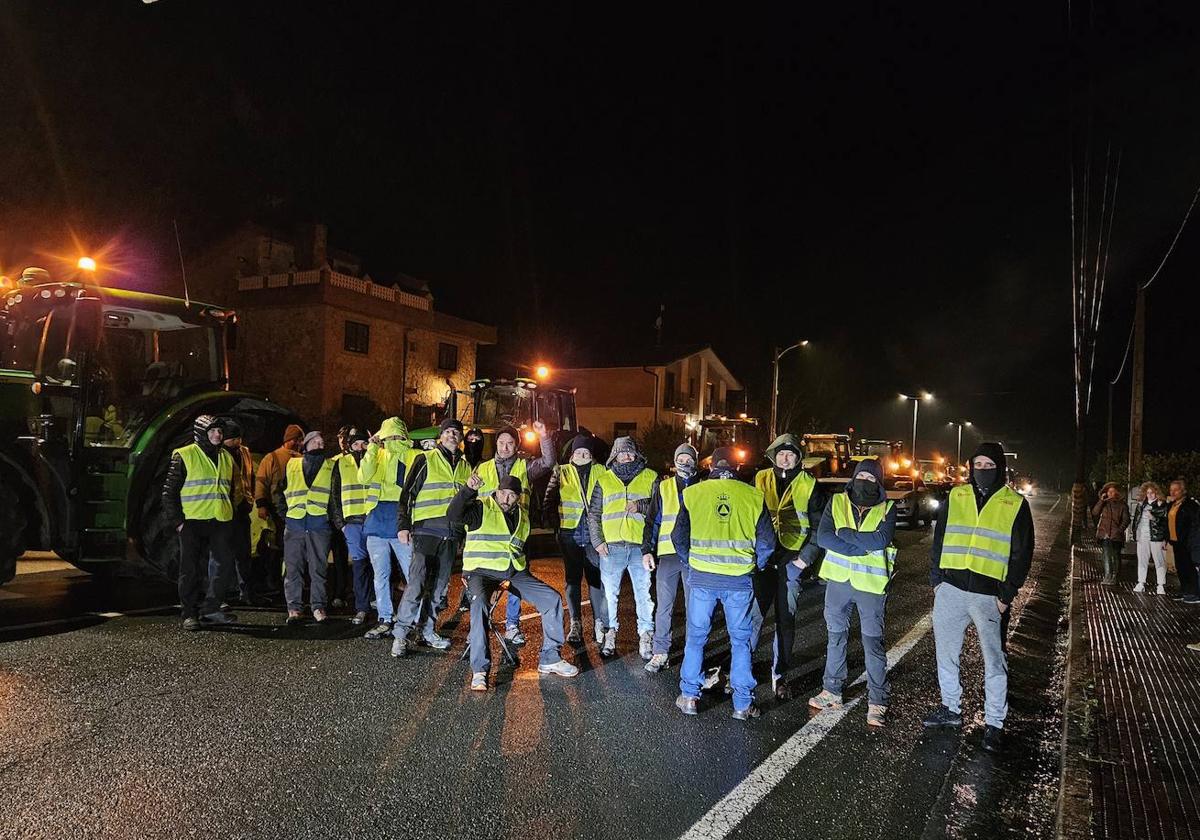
(738, 607)
(360, 565)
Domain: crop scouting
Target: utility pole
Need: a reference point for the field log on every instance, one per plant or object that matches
(777, 355)
(1135, 397)
(1108, 449)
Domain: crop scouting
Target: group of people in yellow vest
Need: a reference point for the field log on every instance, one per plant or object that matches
(745, 547)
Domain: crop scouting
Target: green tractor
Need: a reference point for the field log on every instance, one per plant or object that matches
(97, 387)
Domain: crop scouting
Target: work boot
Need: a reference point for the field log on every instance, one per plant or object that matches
(513, 635)
(942, 716)
(219, 618)
(646, 645)
(359, 618)
(747, 713)
(993, 739)
(561, 668)
(825, 700)
(657, 662)
(191, 623)
(610, 642)
(435, 641)
(876, 715)
(599, 633)
(380, 631)
(686, 704)
(575, 634)
(399, 646)
(319, 615)
(1140, 587)
(479, 681)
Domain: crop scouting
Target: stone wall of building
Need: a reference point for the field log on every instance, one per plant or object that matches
(280, 354)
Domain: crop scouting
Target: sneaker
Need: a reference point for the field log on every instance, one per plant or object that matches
(1177, 596)
(686, 704)
(380, 631)
(599, 633)
(993, 739)
(435, 641)
(711, 679)
(513, 635)
(191, 624)
(1140, 587)
(942, 716)
(1189, 599)
(1162, 590)
(876, 715)
(399, 646)
(825, 700)
(657, 662)
(1192, 646)
(479, 681)
(219, 618)
(575, 634)
(293, 617)
(747, 713)
(319, 615)
(610, 642)
(359, 618)
(226, 607)
(561, 668)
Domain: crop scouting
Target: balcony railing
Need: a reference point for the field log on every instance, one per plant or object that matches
(359, 285)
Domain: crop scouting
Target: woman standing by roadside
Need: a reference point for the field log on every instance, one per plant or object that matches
(1112, 518)
(1150, 533)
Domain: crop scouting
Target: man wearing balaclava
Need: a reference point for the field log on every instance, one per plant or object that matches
(571, 485)
(981, 553)
(350, 488)
(658, 552)
(306, 494)
(197, 500)
(856, 532)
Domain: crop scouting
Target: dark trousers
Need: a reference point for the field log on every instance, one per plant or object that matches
(778, 586)
(305, 551)
(360, 565)
(581, 562)
(1110, 551)
(1186, 566)
(429, 575)
(272, 554)
(340, 574)
(197, 540)
(525, 587)
(668, 575)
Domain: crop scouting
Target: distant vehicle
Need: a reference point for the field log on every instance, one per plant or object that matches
(1025, 486)
(827, 455)
(915, 504)
(933, 471)
(742, 433)
(889, 452)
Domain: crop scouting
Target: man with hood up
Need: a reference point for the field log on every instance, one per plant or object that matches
(725, 531)
(352, 491)
(423, 520)
(856, 532)
(306, 493)
(384, 468)
(795, 502)
(197, 499)
(270, 473)
(658, 552)
(981, 553)
(616, 529)
(570, 487)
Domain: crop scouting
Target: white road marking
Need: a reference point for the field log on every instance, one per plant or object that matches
(735, 806)
(1053, 506)
(33, 625)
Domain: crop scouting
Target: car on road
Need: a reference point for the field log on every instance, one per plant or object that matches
(915, 504)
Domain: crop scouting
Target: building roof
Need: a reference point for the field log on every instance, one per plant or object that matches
(655, 356)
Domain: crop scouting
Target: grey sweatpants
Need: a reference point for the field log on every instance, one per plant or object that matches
(841, 599)
(953, 610)
(305, 550)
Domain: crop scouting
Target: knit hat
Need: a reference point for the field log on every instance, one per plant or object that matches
(685, 449)
(308, 438)
(232, 428)
(292, 432)
(509, 430)
(622, 444)
(450, 423)
(355, 436)
(587, 442)
(510, 482)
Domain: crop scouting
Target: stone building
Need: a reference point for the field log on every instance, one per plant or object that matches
(319, 335)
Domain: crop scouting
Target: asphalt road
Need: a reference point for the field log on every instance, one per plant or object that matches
(126, 727)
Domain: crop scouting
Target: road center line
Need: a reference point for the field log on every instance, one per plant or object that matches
(736, 805)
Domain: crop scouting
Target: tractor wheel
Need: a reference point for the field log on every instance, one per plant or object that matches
(12, 532)
(159, 541)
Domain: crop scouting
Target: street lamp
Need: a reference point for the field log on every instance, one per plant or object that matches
(916, 401)
(543, 371)
(779, 354)
(960, 424)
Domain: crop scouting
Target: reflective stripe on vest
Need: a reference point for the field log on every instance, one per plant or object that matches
(206, 487)
(723, 513)
(618, 525)
(441, 483)
(572, 500)
(790, 513)
(354, 491)
(382, 486)
(866, 573)
(491, 546)
(491, 478)
(980, 540)
(303, 500)
(668, 493)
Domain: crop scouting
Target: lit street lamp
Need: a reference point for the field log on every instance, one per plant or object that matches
(916, 401)
(960, 424)
(542, 372)
(779, 354)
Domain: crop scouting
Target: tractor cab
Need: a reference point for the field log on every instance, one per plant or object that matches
(827, 455)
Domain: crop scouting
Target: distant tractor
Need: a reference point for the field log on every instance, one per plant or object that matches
(743, 434)
(97, 387)
(827, 455)
(889, 452)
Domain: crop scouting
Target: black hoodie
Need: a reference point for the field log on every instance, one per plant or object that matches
(1020, 552)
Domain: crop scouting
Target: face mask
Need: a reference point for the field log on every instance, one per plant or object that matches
(985, 479)
(685, 470)
(863, 492)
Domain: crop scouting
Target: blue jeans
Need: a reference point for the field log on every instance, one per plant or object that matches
(738, 606)
(627, 558)
(512, 611)
(360, 565)
(380, 551)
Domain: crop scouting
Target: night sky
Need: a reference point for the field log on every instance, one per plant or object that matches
(890, 180)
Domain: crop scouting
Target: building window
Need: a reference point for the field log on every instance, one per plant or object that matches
(624, 430)
(447, 356)
(358, 337)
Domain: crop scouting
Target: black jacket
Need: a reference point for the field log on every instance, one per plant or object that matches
(466, 511)
(427, 542)
(1187, 522)
(335, 501)
(176, 476)
(333, 510)
(1158, 519)
(1020, 557)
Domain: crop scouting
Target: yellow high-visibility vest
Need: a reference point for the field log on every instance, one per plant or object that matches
(491, 478)
(724, 519)
(354, 490)
(790, 513)
(441, 483)
(378, 472)
(980, 540)
(669, 495)
(303, 500)
(491, 546)
(206, 487)
(868, 572)
(618, 525)
(572, 500)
